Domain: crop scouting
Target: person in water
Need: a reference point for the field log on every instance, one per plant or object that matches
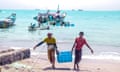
(78, 44)
(32, 26)
(39, 19)
(58, 14)
(52, 47)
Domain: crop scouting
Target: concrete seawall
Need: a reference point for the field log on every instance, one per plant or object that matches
(11, 55)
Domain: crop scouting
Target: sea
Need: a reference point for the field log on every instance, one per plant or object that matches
(101, 30)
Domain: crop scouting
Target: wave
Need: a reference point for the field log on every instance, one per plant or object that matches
(103, 56)
(100, 56)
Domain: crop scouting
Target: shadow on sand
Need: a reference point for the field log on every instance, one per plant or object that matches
(49, 68)
(65, 69)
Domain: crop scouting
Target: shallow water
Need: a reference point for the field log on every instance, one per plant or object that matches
(101, 29)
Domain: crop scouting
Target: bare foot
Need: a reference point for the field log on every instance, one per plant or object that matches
(74, 67)
(53, 67)
(78, 67)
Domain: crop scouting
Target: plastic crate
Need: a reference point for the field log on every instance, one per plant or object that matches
(65, 56)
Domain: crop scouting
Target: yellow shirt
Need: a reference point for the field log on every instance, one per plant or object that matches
(50, 40)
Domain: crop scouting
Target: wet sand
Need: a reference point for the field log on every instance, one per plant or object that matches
(40, 63)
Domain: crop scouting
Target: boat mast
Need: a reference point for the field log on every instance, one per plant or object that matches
(58, 8)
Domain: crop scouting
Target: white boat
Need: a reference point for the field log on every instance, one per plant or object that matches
(9, 21)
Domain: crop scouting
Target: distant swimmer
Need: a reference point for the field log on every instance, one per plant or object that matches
(32, 25)
(52, 47)
(39, 19)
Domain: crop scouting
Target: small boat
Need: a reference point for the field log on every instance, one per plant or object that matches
(34, 28)
(8, 22)
(53, 19)
(37, 28)
(80, 10)
(50, 17)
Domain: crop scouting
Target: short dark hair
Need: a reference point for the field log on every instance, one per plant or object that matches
(81, 33)
(49, 34)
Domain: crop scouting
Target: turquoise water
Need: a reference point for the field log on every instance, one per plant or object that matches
(101, 29)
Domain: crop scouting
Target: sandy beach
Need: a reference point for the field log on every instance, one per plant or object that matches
(39, 63)
(19, 22)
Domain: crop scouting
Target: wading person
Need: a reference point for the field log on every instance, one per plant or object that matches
(78, 44)
(52, 47)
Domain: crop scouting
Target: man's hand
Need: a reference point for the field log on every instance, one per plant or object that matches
(91, 51)
(72, 50)
(57, 52)
(34, 47)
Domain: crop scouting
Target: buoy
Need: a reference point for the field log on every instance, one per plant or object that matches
(67, 25)
(57, 24)
(72, 25)
(35, 18)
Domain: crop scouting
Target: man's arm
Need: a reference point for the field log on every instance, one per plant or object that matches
(38, 45)
(56, 48)
(89, 47)
(55, 45)
(73, 46)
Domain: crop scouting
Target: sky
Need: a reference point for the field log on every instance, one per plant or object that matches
(64, 4)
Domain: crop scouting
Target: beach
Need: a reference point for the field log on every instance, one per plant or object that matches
(100, 61)
(101, 32)
(40, 63)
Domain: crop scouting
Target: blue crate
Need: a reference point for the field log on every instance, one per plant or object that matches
(65, 56)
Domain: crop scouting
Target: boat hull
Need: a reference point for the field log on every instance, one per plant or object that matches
(37, 28)
(4, 24)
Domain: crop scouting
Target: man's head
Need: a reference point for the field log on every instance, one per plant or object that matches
(49, 35)
(81, 34)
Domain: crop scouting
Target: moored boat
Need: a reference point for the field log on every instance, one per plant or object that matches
(33, 27)
(9, 21)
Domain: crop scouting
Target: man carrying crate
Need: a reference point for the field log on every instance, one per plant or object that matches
(52, 47)
(78, 44)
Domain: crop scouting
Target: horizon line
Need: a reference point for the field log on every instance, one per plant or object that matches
(63, 9)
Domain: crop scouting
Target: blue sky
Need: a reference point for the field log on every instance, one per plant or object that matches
(64, 4)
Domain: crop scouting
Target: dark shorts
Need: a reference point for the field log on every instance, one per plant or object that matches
(78, 55)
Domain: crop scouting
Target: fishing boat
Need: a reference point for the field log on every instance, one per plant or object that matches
(80, 9)
(8, 22)
(38, 28)
(51, 19)
(49, 26)
(33, 27)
